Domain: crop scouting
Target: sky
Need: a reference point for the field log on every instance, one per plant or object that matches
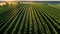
(29, 0)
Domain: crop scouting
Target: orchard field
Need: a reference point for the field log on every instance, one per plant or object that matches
(30, 19)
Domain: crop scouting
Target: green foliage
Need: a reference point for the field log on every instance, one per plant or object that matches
(29, 19)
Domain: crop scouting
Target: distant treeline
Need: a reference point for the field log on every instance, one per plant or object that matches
(52, 2)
